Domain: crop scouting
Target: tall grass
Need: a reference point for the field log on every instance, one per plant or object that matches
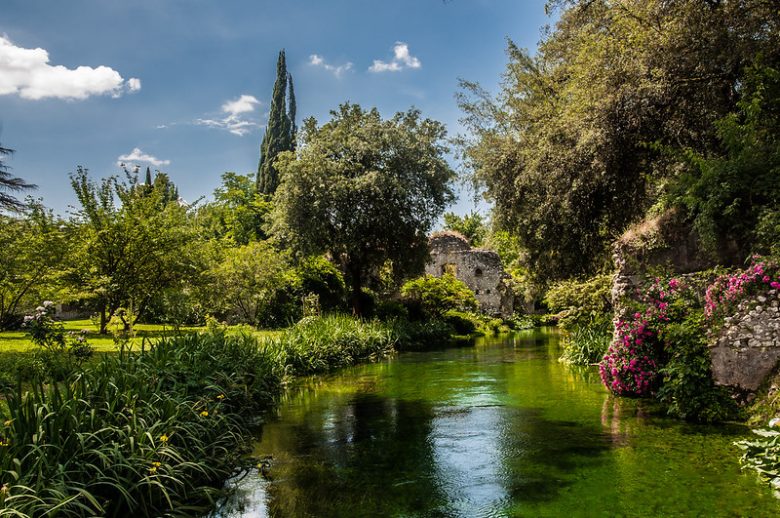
(586, 344)
(135, 434)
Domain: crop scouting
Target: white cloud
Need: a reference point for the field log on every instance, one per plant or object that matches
(27, 73)
(136, 155)
(401, 59)
(245, 103)
(318, 61)
(133, 84)
(233, 120)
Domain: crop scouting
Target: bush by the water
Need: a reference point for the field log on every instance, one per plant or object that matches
(436, 295)
(317, 344)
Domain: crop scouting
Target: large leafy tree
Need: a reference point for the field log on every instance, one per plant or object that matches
(366, 191)
(129, 243)
(571, 150)
(280, 131)
(10, 183)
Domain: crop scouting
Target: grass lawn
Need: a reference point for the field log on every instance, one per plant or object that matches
(18, 341)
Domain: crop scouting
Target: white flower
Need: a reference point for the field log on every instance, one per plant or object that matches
(774, 422)
(47, 303)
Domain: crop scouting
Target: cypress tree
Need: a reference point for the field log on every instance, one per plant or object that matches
(291, 109)
(278, 132)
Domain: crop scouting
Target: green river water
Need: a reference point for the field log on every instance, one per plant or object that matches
(498, 429)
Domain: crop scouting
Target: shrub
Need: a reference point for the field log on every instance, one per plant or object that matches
(662, 351)
(581, 303)
(421, 335)
(687, 388)
(463, 323)
(318, 344)
(436, 295)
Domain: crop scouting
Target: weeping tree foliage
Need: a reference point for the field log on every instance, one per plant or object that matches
(366, 191)
(280, 130)
(572, 149)
(10, 183)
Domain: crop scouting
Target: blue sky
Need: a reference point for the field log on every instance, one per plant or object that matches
(173, 83)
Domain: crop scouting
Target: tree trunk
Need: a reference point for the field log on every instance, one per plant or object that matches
(103, 321)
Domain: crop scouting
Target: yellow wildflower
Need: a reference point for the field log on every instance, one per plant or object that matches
(205, 413)
(221, 397)
(8, 423)
(163, 438)
(153, 470)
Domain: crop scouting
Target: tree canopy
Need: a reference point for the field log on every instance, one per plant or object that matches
(364, 190)
(574, 148)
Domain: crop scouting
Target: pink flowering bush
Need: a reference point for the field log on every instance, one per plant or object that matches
(631, 365)
(661, 351)
(729, 290)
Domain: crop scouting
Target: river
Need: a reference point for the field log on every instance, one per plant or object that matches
(498, 429)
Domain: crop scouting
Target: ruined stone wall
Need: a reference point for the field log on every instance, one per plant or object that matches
(481, 270)
(747, 349)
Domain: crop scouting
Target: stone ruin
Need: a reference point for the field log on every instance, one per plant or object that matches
(481, 270)
(747, 350)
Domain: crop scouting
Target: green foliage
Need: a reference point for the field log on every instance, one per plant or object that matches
(364, 190)
(733, 196)
(243, 282)
(565, 149)
(279, 132)
(462, 322)
(136, 434)
(586, 344)
(33, 248)
(312, 276)
(473, 226)
(421, 335)
(688, 390)
(238, 213)
(763, 455)
(60, 354)
(581, 303)
(319, 344)
(436, 295)
(10, 183)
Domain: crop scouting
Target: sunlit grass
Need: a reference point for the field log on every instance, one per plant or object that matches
(18, 341)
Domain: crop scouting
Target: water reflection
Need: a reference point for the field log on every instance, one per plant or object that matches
(498, 429)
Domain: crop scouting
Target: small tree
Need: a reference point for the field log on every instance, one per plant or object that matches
(129, 243)
(364, 190)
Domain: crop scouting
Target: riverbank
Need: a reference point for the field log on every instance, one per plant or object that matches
(158, 431)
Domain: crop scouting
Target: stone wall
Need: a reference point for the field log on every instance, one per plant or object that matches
(746, 351)
(481, 270)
